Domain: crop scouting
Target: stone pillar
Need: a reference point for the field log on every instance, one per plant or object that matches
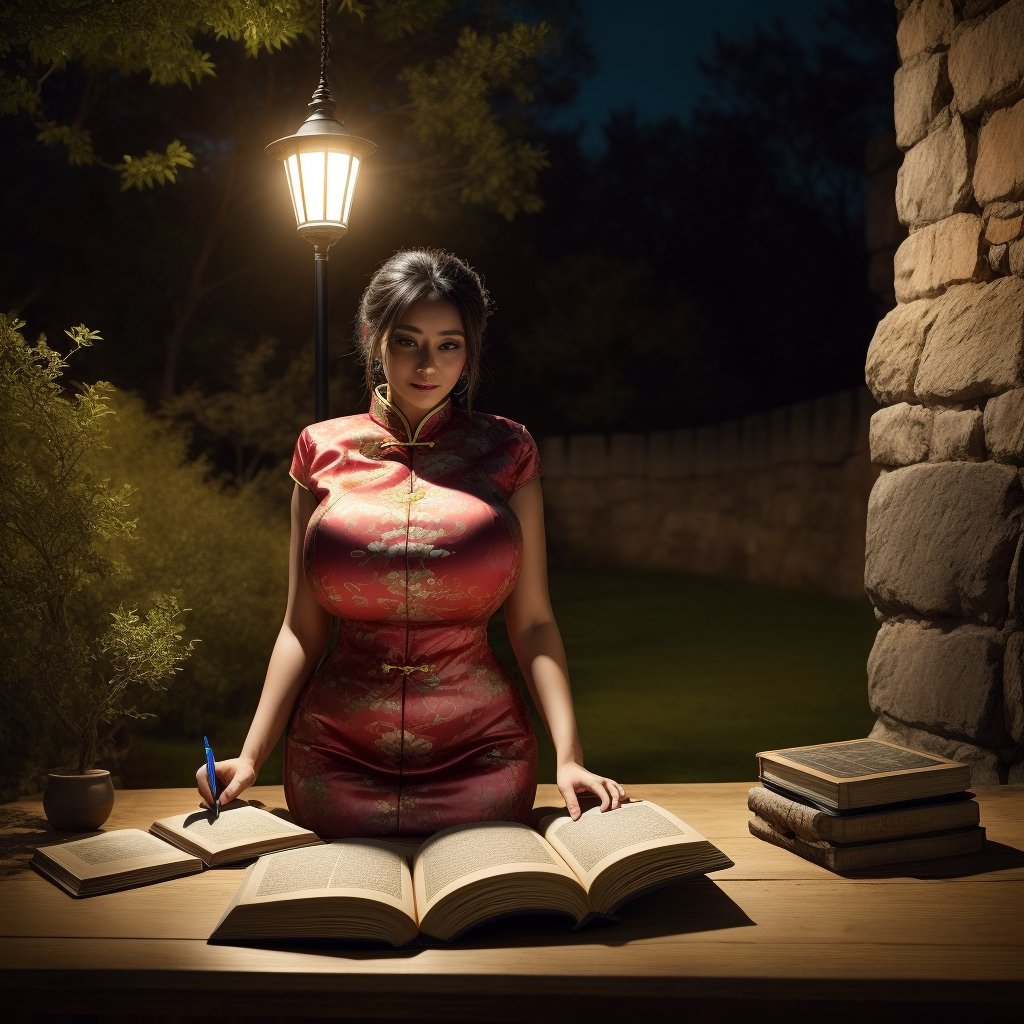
(944, 564)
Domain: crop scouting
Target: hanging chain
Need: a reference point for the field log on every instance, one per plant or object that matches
(325, 56)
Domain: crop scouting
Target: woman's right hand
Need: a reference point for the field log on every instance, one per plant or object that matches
(234, 775)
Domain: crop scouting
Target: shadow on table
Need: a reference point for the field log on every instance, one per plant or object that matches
(994, 857)
(22, 832)
(686, 907)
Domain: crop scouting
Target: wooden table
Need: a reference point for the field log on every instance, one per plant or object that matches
(771, 937)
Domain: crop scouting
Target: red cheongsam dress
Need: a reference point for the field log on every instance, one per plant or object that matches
(410, 724)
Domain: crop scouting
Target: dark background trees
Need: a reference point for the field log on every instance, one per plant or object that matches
(688, 271)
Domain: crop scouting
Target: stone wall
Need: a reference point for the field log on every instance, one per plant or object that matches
(778, 497)
(944, 526)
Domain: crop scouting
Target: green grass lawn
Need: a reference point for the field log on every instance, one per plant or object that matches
(676, 678)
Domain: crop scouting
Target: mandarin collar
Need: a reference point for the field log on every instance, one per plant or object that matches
(384, 413)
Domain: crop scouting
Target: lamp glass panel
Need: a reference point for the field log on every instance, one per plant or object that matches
(312, 167)
(291, 171)
(350, 191)
(338, 170)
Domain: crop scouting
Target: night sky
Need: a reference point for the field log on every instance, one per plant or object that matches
(647, 52)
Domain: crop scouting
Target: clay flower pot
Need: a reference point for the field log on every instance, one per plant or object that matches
(78, 801)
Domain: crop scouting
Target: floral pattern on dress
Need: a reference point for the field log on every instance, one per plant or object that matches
(410, 724)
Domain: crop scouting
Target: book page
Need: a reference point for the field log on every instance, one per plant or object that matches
(234, 827)
(351, 867)
(598, 838)
(111, 852)
(465, 854)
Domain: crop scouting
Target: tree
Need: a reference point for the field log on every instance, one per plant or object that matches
(72, 669)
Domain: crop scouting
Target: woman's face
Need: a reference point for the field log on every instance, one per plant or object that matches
(423, 357)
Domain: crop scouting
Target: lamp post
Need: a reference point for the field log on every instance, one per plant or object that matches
(321, 162)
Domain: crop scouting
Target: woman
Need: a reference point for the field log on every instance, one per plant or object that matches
(411, 526)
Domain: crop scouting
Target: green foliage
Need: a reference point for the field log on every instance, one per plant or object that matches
(226, 547)
(454, 80)
(155, 168)
(68, 670)
(454, 103)
(257, 414)
(160, 39)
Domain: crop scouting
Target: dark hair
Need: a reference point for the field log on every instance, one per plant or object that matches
(411, 276)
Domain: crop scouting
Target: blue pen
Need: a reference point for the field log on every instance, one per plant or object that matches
(212, 775)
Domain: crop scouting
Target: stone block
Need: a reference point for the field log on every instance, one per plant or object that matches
(937, 256)
(832, 421)
(1004, 427)
(895, 351)
(957, 435)
(729, 447)
(925, 25)
(999, 166)
(684, 448)
(1015, 257)
(941, 681)
(941, 538)
(1013, 686)
(899, 435)
(659, 455)
(1004, 229)
(973, 8)
(754, 432)
(800, 430)
(553, 456)
(975, 345)
(921, 89)
(627, 455)
(588, 455)
(984, 763)
(707, 450)
(935, 179)
(778, 436)
(986, 60)
(999, 259)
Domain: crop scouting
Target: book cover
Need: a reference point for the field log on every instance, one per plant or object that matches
(851, 774)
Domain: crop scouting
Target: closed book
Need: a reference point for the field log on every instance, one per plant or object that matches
(854, 856)
(852, 774)
(790, 815)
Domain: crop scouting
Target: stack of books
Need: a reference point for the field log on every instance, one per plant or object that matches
(864, 803)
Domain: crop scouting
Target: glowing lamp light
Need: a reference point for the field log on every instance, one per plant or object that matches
(321, 164)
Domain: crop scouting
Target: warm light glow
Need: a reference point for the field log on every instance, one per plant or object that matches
(322, 185)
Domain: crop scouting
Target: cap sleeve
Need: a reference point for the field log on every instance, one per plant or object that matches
(527, 461)
(301, 459)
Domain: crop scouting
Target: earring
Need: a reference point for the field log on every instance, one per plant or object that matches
(377, 371)
(462, 387)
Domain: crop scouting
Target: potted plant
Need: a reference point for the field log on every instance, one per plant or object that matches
(73, 669)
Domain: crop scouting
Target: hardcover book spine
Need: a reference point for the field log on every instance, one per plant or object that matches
(788, 815)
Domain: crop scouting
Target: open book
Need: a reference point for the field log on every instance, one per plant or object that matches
(365, 889)
(128, 857)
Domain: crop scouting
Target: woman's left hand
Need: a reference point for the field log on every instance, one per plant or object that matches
(573, 778)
